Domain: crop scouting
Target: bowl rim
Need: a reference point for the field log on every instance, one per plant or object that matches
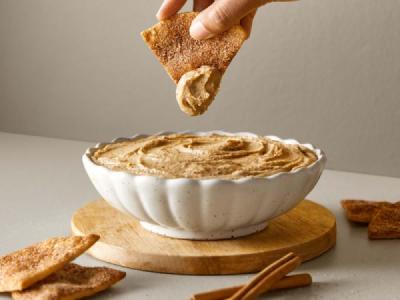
(321, 157)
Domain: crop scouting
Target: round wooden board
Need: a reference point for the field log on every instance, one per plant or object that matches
(308, 230)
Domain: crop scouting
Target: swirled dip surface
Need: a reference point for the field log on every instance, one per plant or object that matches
(211, 156)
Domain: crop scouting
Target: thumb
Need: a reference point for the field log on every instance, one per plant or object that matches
(220, 16)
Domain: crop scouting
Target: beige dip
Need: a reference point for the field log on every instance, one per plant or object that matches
(212, 156)
(197, 89)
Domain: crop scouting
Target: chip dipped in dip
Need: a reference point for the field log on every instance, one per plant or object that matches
(197, 89)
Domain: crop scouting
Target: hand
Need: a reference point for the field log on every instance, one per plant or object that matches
(216, 16)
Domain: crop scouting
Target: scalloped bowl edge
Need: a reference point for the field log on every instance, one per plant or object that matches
(204, 209)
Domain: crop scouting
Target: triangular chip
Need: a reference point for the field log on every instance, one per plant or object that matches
(23, 268)
(385, 224)
(72, 282)
(172, 44)
(361, 211)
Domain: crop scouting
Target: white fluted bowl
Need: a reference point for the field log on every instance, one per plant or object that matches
(204, 209)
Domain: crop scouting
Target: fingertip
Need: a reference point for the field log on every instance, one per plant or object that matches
(247, 28)
(164, 15)
(247, 23)
(169, 8)
(160, 12)
(161, 16)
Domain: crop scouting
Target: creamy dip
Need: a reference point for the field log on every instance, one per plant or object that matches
(196, 89)
(211, 156)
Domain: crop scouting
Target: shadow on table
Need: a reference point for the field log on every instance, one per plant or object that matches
(127, 287)
(354, 251)
(315, 291)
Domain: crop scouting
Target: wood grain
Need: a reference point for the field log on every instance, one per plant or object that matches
(307, 230)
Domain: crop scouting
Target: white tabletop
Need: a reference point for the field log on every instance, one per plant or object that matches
(42, 182)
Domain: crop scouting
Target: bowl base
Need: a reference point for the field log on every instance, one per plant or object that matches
(214, 235)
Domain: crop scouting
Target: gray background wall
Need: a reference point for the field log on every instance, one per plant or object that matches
(322, 71)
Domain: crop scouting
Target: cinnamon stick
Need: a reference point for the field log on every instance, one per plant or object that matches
(264, 280)
(287, 282)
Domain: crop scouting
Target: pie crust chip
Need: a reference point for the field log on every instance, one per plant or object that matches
(23, 268)
(72, 282)
(361, 211)
(172, 44)
(386, 223)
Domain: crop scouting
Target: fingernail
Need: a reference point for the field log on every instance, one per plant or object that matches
(199, 32)
(158, 14)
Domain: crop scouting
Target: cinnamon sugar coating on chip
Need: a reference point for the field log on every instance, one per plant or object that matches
(23, 268)
(386, 223)
(179, 53)
(72, 282)
(361, 211)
